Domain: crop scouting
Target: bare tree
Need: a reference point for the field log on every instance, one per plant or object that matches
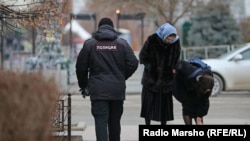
(158, 11)
(31, 15)
(15, 14)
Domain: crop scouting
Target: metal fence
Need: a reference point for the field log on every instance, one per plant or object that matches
(206, 51)
(62, 120)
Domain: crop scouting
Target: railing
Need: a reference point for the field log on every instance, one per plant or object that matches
(206, 51)
(62, 120)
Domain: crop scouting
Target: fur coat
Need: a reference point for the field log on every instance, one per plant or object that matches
(159, 61)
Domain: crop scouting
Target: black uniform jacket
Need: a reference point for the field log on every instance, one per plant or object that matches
(104, 64)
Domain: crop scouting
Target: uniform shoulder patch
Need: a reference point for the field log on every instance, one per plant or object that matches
(106, 46)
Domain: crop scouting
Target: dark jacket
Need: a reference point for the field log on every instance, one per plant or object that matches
(159, 60)
(185, 91)
(104, 64)
(184, 84)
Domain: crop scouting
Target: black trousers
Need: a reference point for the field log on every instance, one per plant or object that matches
(107, 115)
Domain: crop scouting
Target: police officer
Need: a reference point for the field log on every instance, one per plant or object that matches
(103, 65)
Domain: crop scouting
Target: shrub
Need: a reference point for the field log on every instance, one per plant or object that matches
(27, 105)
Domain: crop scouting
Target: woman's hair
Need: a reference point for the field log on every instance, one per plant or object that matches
(205, 84)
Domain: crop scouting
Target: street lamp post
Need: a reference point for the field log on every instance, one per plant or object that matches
(2, 49)
(118, 15)
(90, 16)
(138, 16)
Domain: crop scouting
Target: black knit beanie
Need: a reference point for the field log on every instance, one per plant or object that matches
(104, 21)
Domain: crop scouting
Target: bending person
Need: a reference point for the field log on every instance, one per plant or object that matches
(193, 92)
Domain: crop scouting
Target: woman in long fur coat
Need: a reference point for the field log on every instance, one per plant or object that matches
(159, 54)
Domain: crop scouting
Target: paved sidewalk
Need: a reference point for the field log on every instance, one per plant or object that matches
(226, 109)
(128, 133)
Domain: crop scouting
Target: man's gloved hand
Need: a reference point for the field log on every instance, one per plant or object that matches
(84, 92)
